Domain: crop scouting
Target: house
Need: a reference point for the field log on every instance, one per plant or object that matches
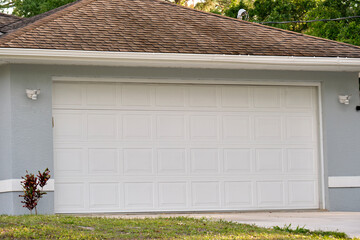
(147, 106)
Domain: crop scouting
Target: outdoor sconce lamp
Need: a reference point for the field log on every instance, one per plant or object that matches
(32, 94)
(344, 99)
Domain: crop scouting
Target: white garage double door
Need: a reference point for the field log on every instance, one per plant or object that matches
(122, 147)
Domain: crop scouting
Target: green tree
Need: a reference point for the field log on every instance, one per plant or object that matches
(275, 11)
(345, 30)
(29, 8)
(235, 6)
(180, 2)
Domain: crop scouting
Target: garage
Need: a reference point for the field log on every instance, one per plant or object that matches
(147, 147)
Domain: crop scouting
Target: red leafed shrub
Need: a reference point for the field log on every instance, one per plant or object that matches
(33, 188)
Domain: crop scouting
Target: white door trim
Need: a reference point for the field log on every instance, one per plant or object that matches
(323, 202)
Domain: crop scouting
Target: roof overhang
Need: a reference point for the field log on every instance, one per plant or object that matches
(133, 59)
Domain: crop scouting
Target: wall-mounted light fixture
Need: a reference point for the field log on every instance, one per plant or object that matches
(344, 99)
(32, 94)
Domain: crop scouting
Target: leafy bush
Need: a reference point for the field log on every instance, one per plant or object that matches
(33, 188)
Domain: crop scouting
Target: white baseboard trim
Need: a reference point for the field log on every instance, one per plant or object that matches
(13, 185)
(344, 182)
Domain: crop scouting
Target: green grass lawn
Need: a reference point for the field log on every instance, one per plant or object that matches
(69, 227)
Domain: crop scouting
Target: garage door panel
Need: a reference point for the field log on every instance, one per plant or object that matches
(204, 127)
(104, 195)
(268, 128)
(269, 160)
(206, 194)
(170, 127)
(167, 147)
(270, 193)
(301, 160)
(103, 161)
(170, 96)
(173, 195)
(138, 161)
(139, 195)
(299, 97)
(102, 126)
(300, 128)
(205, 161)
(236, 128)
(69, 126)
(238, 193)
(68, 161)
(101, 94)
(136, 95)
(203, 96)
(266, 97)
(172, 161)
(70, 196)
(235, 97)
(302, 193)
(237, 161)
(137, 127)
(68, 94)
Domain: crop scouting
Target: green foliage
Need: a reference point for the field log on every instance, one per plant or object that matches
(233, 9)
(303, 230)
(29, 8)
(275, 11)
(69, 227)
(345, 30)
(180, 2)
(33, 188)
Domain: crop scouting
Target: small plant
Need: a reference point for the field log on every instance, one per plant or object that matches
(33, 188)
(304, 231)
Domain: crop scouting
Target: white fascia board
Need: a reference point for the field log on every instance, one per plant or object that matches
(75, 57)
(13, 185)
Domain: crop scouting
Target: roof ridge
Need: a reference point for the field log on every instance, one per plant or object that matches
(45, 18)
(256, 24)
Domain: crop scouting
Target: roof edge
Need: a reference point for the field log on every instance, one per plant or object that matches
(176, 60)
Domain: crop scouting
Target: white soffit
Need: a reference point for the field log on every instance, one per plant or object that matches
(75, 57)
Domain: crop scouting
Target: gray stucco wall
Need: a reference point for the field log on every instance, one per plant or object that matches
(11, 204)
(5, 124)
(31, 122)
(26, 133)
(31, 147)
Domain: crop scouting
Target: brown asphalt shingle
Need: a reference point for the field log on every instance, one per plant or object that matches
(156, 26)
(6, 19)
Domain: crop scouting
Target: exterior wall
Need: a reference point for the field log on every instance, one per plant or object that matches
(7, 203)
(31, 146)
(26, 134)
(11, 204)
(5, 124)
(344, 199)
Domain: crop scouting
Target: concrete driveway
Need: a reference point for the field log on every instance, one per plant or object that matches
(348, 222)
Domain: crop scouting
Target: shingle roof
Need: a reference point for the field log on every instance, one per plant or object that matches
(6, 19)
(157, 26)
